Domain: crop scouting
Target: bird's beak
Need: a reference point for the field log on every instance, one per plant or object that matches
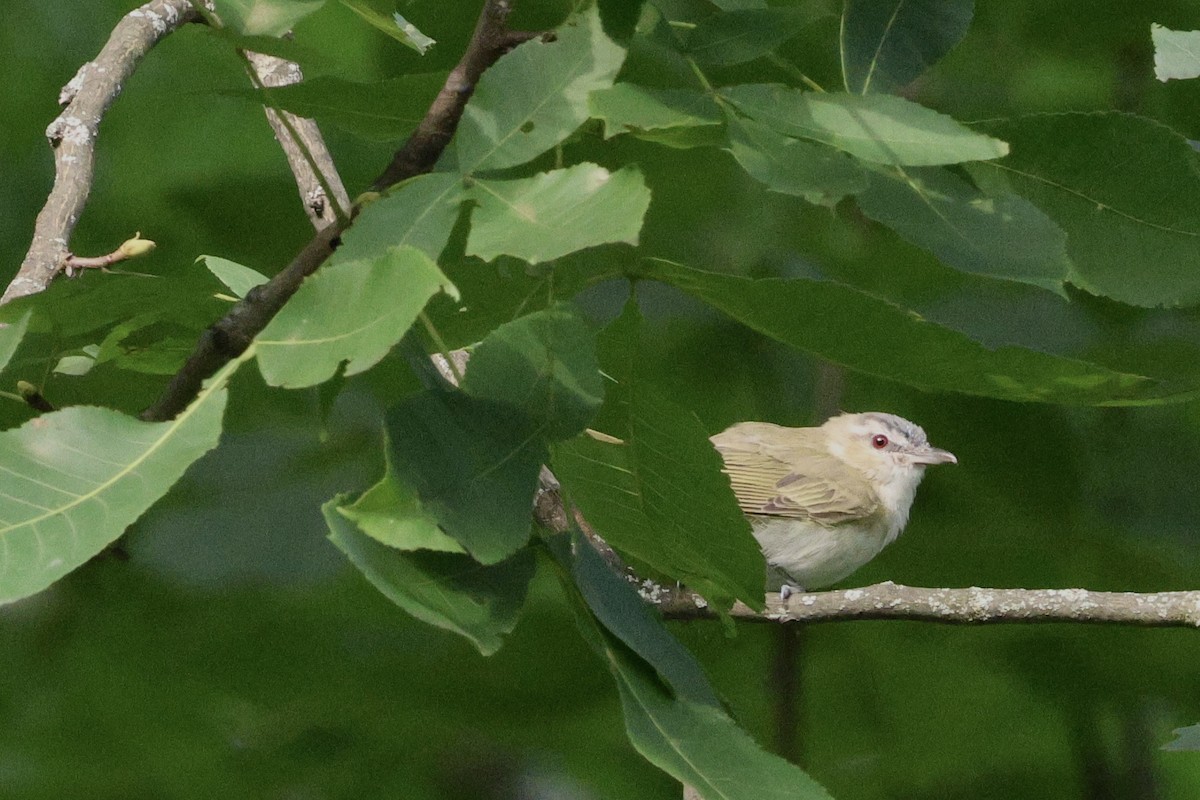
(933, 455)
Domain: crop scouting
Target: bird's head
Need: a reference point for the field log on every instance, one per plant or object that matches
(885, 447)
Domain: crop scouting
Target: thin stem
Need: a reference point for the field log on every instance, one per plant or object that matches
(440, 344)
(794, 71)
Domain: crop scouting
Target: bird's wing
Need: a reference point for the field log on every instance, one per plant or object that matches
(785, 472)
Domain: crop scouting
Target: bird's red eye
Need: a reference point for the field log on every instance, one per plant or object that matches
(879, 441)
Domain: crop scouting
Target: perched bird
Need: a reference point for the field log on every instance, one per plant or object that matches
(824, 501)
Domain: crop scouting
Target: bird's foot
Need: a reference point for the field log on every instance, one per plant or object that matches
(786, 591)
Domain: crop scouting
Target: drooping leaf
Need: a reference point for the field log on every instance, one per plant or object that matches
(474, 465)
(732, 37)
(879, 128)
(816, 172)
(617, 606)
(264, 17)
(544, 364)
(1176, 54)
(314, 333)
(1127, 192)
(382, 111)
(391, 513)
(419, 212)
(237, 278)
(1000, 234)
(850, 327)
(675, 725)
(394, 25)
(448, 590)
(536, 96)
(672, 117)
(75, 479)
(658, 493)
(885, 44)
(555, 213)
(1185, 739)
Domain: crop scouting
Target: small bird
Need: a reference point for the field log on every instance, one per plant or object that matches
(824, 501)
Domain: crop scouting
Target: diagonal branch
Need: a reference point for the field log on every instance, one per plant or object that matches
(230, 336)
(73, 135)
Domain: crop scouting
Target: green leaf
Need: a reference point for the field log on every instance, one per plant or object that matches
(885, 45)
(474, 464)
(733, 37)
(1000, 234)
(555, 213)
(536, 96)
(682, 731)
(866, 333)
(382, 111)
(879, 128)
(264, 17)
(75, 479)
(816, 172)
(1127, 192)
(394, 26)
(237, 279)
(314, 333)
(672, 117)
(419, 212)
(391, 513)
(659, 494)
(618, 607)
(448, 590)
(544, 364)
(11, 335)
(1176, 53)
(1185, 739)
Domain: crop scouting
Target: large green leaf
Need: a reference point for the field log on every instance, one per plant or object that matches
(673, 117)
(353, 311)
(676, 725)
(264, 17)
(394, 25)
(816, 172)
(1127, 192)
(536, 96)
(544, 364)
(879, 128)
(419, 212)
(75, 479)
(474, 465)
(850, 327)
(382, 111)
(745, 34)
(555, 213)
(658, 494)
(885, 44)
(1000, 234)
(449, 590)
(237, 278)
(1176, 53)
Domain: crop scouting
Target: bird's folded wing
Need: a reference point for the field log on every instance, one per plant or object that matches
(784, 472)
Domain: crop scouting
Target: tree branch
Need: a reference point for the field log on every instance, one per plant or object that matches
(73, 136)
(230, 336)
(271, 72)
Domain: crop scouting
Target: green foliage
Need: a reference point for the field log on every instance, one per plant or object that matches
(76, 478)
(309, 339)
(658, 493)
(1000, 282)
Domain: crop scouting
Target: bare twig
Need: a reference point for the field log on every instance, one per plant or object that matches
(73, 136)
(273, 72)
(230, 336)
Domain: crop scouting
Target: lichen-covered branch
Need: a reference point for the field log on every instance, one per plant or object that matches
(73, 136)
(970, 606)
(273, 71)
